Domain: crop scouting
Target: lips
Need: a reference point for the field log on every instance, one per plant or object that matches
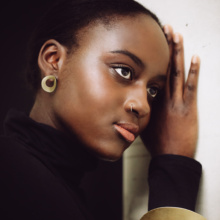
(127, 131)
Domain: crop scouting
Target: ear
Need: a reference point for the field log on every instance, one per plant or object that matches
(51, 58)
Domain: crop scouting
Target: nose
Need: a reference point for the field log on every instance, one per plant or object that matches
(137, 102)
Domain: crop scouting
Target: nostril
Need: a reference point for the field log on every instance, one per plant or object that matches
(135, 112)
(133, 109)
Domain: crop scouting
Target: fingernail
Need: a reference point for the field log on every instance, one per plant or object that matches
(195, 59)
(166, 29)
(176, 38)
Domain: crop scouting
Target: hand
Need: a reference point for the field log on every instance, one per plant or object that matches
(173, 126)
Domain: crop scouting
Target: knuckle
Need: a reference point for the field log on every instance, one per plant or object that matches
(177, 73)
(191, 87)
(179, 110)
(177, 50)
(175, 106)
(193, 71)
(169, 41)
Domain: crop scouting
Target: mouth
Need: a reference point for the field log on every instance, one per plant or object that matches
(127, 131)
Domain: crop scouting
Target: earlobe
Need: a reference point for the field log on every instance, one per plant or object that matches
(51, 57)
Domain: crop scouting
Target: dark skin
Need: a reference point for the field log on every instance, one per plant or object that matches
(113, 69)
(174, 122)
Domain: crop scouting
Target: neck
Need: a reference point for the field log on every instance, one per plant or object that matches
(41, 111)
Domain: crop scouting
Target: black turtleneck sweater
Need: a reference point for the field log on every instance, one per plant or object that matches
(41, 169)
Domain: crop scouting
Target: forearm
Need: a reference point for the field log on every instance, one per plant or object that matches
(174, 181)
(173, 184)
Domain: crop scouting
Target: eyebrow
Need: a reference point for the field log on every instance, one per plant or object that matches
(161, 77)
(131, 56)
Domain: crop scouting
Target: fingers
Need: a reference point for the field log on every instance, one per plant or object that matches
(169, 36)
(177, 89)
(175, 82)
(177, 76)
(190, 90)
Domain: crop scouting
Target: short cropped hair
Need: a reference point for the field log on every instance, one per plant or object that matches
(65, 19)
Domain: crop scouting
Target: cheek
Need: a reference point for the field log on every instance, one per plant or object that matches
(144, 122)
(96, 88)
(87, 96)
(95, 94)
(89, 114)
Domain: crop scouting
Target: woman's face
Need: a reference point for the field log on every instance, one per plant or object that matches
(106, 87)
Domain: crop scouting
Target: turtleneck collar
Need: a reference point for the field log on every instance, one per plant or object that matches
(56, 150)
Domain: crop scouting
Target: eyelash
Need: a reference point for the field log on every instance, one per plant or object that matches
(155, 88)
(124, 68)
(132, 73)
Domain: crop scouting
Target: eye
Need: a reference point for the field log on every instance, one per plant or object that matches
(152, 91)
(124, 72)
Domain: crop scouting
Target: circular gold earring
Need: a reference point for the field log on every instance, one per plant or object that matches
(47, 88)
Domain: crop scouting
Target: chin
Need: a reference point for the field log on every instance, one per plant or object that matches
(110, 158)
(111, 154)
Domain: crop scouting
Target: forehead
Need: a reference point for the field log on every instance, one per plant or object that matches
(140, 35)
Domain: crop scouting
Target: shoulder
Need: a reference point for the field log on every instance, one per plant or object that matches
(18, 166)
(28, 188)
(15, 156)
(9, 145)
(12, 153)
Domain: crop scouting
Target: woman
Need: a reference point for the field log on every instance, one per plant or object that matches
(99, 70)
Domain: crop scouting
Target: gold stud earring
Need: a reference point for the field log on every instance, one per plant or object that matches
(47, 88)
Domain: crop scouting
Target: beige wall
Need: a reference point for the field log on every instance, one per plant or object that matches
(199, 22)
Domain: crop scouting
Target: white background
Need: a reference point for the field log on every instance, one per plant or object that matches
(199, 23)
